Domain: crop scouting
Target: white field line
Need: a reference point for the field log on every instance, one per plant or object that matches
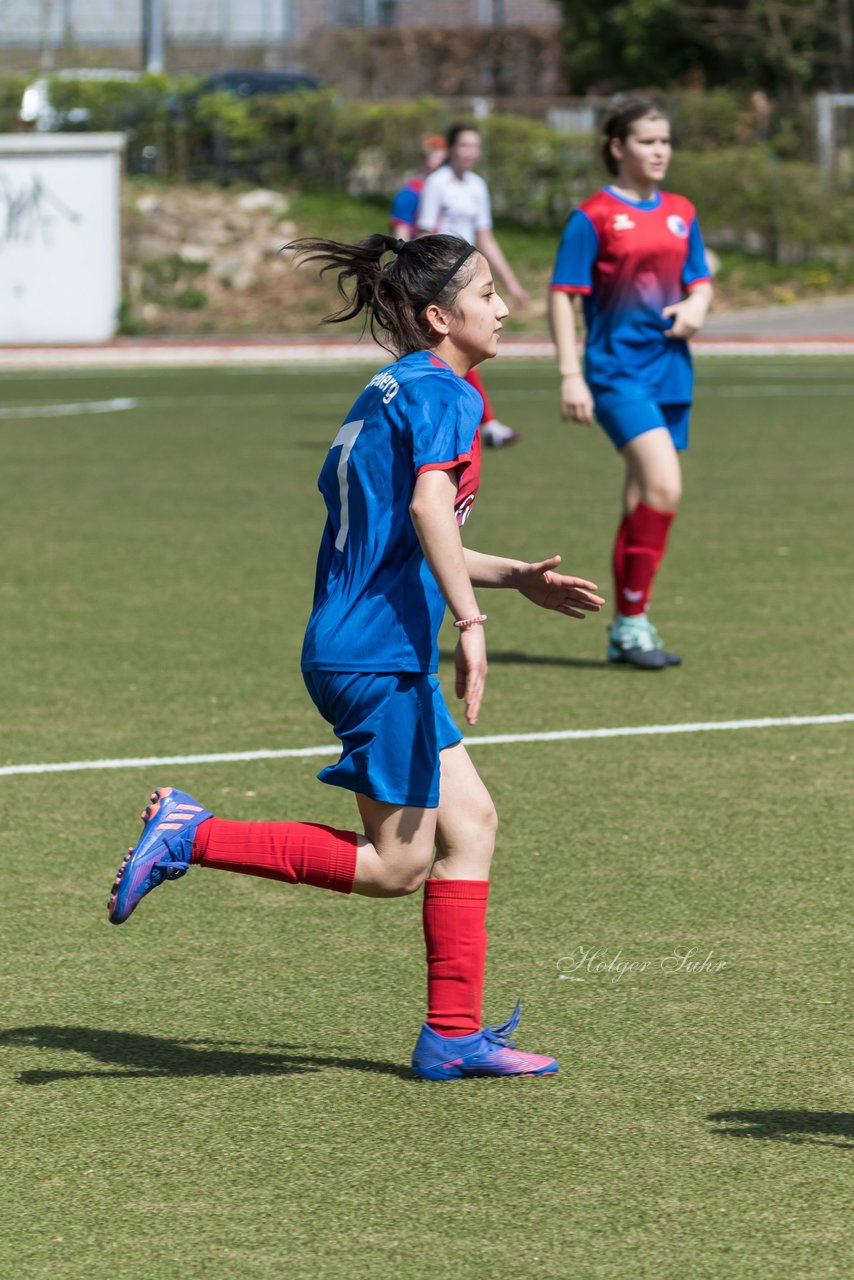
(558, 735)
(66, 410)
(35, 411)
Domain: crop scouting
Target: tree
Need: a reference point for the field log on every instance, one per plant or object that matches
(617, 44)
(784, 46)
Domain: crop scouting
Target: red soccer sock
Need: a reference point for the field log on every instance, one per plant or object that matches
(454, 917)
(475, 380)
(299, 852)
(618, 557)
(644, 535)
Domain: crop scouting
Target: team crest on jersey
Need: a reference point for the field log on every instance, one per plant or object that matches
(622, 222)
(678, 226)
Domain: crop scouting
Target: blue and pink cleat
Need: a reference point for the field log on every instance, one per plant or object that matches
(163, 853)
(489, 1052)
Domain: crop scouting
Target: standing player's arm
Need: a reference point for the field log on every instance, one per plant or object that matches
(491, 250)
(576, 402)
(403, 230)
(689, 315)
(538, 582)
(432, 513)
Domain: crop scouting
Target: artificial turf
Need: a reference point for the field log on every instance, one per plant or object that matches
(220, 1087)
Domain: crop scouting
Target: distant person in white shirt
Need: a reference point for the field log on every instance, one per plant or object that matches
(455, 201)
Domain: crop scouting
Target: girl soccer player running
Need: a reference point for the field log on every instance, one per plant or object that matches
(635, 255)
(398, 481)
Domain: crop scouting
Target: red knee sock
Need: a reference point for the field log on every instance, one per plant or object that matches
(638, 551)
(454, 917)
(299, 852)
(474, 379)
(618, 559)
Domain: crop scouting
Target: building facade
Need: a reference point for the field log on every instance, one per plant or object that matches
(60, 24)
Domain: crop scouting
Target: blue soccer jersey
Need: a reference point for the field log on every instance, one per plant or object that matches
(630, 259)
(377, 606)
(404, 206)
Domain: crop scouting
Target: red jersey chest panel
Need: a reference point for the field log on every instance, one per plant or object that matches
(642, 250)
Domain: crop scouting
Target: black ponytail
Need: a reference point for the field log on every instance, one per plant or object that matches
(393, 294)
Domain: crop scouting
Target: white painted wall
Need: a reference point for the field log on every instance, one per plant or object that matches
(60, 246)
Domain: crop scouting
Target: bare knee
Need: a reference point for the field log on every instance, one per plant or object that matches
(488, 826)
(664, 495)
(398, 881)
(471, 835)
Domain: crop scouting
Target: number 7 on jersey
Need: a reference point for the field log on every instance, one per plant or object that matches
(346, 437)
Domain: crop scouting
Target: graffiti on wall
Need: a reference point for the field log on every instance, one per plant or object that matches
(30, 212)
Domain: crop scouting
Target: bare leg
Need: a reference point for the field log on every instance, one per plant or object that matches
(467, 823)
(653, 474)
(395, 853)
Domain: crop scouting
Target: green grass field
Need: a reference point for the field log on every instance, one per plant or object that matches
(219, 1089)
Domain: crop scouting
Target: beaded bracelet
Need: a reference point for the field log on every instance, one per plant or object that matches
(463, 624)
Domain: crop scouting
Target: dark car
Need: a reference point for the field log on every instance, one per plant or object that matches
(247, 84)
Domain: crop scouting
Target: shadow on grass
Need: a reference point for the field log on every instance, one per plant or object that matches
(151, 1057)
(788, 1126)
(515, 658)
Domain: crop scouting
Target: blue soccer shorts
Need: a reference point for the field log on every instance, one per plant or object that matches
(392, 728)
(626, 419)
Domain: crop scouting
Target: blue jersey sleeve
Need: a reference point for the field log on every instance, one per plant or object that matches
(696, 267)
(444, 422)
(576, 255)
(405, 206)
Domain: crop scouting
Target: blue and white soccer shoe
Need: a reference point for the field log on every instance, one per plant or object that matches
(163, 853)
(489, 1052)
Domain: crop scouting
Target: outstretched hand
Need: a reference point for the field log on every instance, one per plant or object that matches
(571, 596)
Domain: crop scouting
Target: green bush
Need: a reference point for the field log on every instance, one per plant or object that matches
(11, 92)
(704, 121)
(747, 195)
(190, 299)
(784, 209)
(139, 109)
(536, 174)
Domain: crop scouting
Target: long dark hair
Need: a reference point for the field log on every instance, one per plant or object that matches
(619, 121)
(393, 294)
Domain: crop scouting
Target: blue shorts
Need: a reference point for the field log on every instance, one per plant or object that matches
(626, 419)
(392, 728)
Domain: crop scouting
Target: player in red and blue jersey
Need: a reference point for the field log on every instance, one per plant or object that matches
(398, 481)
(404, 206)
(635, 256)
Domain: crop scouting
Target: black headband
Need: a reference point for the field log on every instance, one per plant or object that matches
(446, 279)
